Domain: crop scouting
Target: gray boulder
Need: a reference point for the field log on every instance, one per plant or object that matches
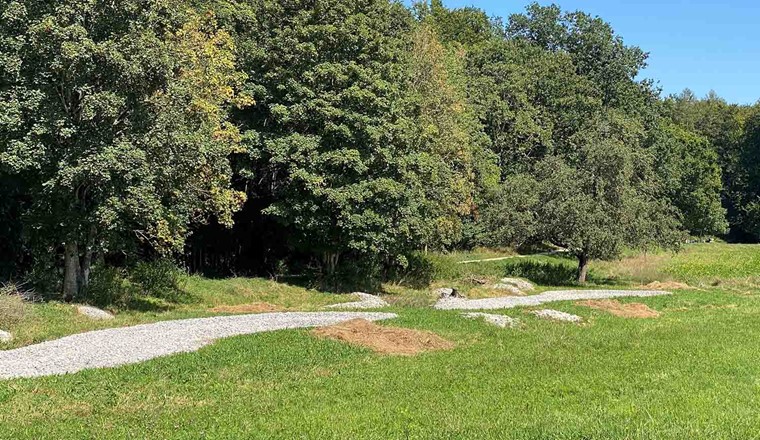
(515, 283)
(447, 292)
(5, 336)
(94, 313)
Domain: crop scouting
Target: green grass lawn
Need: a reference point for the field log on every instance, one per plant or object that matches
(692, 373)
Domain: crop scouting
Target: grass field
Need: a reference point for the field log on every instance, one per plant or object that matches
(692, 373)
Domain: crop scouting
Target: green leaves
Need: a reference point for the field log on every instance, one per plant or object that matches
(116, 116)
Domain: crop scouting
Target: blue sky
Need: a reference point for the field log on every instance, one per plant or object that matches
(700, 44)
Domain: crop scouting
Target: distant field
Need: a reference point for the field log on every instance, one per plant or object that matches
(692, 373)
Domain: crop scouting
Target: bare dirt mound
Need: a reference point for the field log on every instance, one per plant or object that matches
(259, 307)
(632, 310)
(385, 340)
(666, 285)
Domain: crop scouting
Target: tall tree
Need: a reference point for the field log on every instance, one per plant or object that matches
(452, 159)
(596, 201)
(688, 167)
(328, 140)
(115, 114)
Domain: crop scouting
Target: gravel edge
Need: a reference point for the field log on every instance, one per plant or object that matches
(509, 302)
(128, 345)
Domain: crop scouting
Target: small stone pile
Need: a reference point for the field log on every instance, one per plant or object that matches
(556, 315)
(497, 320)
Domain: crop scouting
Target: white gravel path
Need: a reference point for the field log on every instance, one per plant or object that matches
(129, 345)
(509, 302)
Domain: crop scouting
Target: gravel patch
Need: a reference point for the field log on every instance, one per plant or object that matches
(5, 336)
(556, 315)
(366, 301)
(94, 313)
(497, 320)
(510, 302)
(129, 345)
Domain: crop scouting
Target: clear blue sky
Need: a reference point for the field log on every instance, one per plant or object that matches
(700, 44)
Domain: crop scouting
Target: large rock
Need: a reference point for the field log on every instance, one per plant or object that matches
(516, 285)
(5, 336)
(447, 292)
(94, 313)
(556, 315)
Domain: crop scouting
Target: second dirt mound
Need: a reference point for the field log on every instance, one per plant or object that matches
(385, 340)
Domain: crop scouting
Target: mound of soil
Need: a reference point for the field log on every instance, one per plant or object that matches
(632, 310)
(259, 307)
(667, 285)
(385, 340)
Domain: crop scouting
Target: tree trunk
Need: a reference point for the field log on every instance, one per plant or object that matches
(86, 262)
(583, 262)
(71, 271)
(330, 262)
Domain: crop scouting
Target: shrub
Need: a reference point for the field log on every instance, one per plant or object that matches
(12, 306)
(159, 278)
(109, 287)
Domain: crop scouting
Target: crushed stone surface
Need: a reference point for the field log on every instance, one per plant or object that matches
(510, 302)
(497, 320)
(556, 315)
(130, 345)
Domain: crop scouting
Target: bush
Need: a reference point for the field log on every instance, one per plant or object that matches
(160, 279)
(12, 307)
(109, 287)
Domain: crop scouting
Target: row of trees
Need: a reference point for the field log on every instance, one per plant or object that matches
(239, 134)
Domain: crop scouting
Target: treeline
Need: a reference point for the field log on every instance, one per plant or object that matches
(265, 136)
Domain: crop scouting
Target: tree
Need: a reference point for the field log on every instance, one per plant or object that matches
(332, 146)
(529, 100)
(597, 52)
(451, 155)
(688, 168)
(721, 124)
(596, 201)
(115, 112)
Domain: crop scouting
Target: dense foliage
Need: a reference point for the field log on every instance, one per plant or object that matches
(338, 133)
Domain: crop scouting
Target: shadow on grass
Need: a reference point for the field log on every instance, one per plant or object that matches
(354, 277)
(552, 273)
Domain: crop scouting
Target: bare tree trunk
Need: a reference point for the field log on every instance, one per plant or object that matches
(86, 262)
(71, 271)
(330, 261)
(583, 263)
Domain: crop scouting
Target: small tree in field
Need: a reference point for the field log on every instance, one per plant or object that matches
(596, 200)
(114, 112)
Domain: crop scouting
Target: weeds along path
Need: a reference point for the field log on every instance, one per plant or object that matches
(509, 302)
(129, 345)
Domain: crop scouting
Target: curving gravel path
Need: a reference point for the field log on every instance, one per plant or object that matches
(509, 302)
(129, 345)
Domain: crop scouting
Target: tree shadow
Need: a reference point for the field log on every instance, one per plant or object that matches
(552, 273)
(348, 278)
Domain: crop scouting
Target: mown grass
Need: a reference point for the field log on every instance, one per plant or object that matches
(692, 373)
(53, 319)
